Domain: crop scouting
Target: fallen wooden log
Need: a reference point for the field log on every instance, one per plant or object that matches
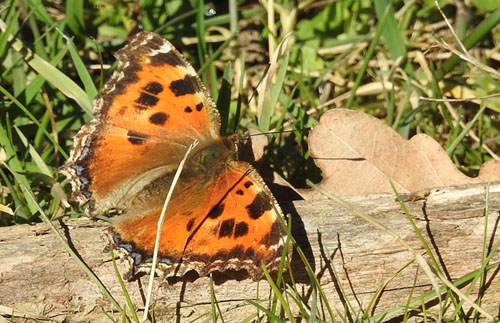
(350, 257)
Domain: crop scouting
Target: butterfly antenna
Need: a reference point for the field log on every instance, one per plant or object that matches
(279, 132)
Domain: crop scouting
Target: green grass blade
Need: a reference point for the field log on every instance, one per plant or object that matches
(81, 69)
(34, 119)
(271, 315)
(392, 36)
(124, 288)
(279, 295)
(465, 130)
(42, 166)
(62, 82)
(368, 56)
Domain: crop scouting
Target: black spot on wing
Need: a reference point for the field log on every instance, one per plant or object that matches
(259, 205)
(153, 88)
(272, 237)
(241, 229)
(226, 228)
(248, 184)
(236, 252)
(187, 85)
(122, 110)
(239, 192)
(136, 138)
(170, 58)
(158, 118)
(147, 100)
(249, 253)
(190, 224)
(188, 109)
(199, 106)
(216, 211)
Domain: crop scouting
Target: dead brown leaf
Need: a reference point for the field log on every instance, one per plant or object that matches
(359, 154)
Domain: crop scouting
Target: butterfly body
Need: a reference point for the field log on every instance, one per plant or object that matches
(221, 215)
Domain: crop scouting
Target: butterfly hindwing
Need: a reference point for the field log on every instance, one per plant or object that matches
(236, 226)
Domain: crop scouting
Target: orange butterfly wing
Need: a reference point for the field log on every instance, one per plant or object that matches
(221, 216)
(154, 103)
(233, 226)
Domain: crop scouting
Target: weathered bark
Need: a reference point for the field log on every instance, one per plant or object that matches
(39, 279)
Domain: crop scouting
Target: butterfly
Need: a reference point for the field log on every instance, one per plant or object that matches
(221, 216)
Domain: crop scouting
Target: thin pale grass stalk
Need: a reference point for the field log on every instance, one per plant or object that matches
(250, 318)
(302, 310)
(491, 71)
(257, 297)
(108, 315)
(124, 288)
(474, 37)
(271, 26)
(459, 42)
(160, 226)
(423, 98)
(233, 16)
(431, 272)
(65, 244)
(436, 266)
(493, 304)
(464, 54)
(484, 258)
